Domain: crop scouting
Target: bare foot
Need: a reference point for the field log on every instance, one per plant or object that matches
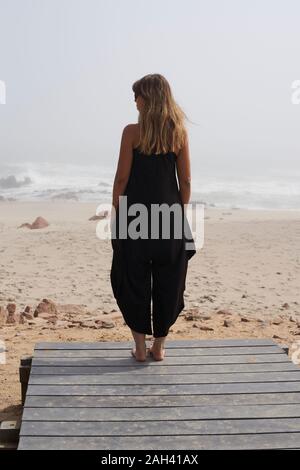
(158, 353)
(139, 355)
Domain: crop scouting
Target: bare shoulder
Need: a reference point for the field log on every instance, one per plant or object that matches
(131, 127)
(131, 130)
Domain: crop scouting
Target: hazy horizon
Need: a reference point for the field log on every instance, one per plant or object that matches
(69, 67)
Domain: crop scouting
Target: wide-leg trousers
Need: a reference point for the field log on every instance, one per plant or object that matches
(146, 271)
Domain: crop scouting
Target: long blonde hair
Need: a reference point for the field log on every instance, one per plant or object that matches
(161, 120)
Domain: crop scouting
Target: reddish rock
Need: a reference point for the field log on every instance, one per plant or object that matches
(11, 308)
(46, 306)
(26, 314)
(228, 323)
(11, 319)
(39, 222)
(285, 305)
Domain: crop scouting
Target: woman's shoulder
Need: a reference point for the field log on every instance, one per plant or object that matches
(131, 134)
(134, 130)
(131, 128)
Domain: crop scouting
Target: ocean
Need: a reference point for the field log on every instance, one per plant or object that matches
(32, 181)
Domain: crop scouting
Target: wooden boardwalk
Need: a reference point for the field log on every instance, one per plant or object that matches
(214, 394)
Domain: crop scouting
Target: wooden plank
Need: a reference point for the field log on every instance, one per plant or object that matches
(229, 351)
(164, 400)
(117, 379)
(162, 413)
(109, 361)
(158, 390)
(222, 442)
(206, 394)
(179, 369)
(160, 428)
(170, 344)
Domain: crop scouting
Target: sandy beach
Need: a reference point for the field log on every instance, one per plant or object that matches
(244, 282)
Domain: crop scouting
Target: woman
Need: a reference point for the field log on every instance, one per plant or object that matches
(154, 267)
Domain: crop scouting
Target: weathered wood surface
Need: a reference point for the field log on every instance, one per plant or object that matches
(206, 394)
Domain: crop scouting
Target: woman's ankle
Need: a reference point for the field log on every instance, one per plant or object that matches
(139, 339)
(159, 342)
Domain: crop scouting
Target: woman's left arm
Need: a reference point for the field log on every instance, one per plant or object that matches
(124, 165)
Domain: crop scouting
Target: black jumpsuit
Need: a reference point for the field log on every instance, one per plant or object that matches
(145, 268)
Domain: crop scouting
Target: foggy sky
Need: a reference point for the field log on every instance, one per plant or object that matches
(69, 65)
